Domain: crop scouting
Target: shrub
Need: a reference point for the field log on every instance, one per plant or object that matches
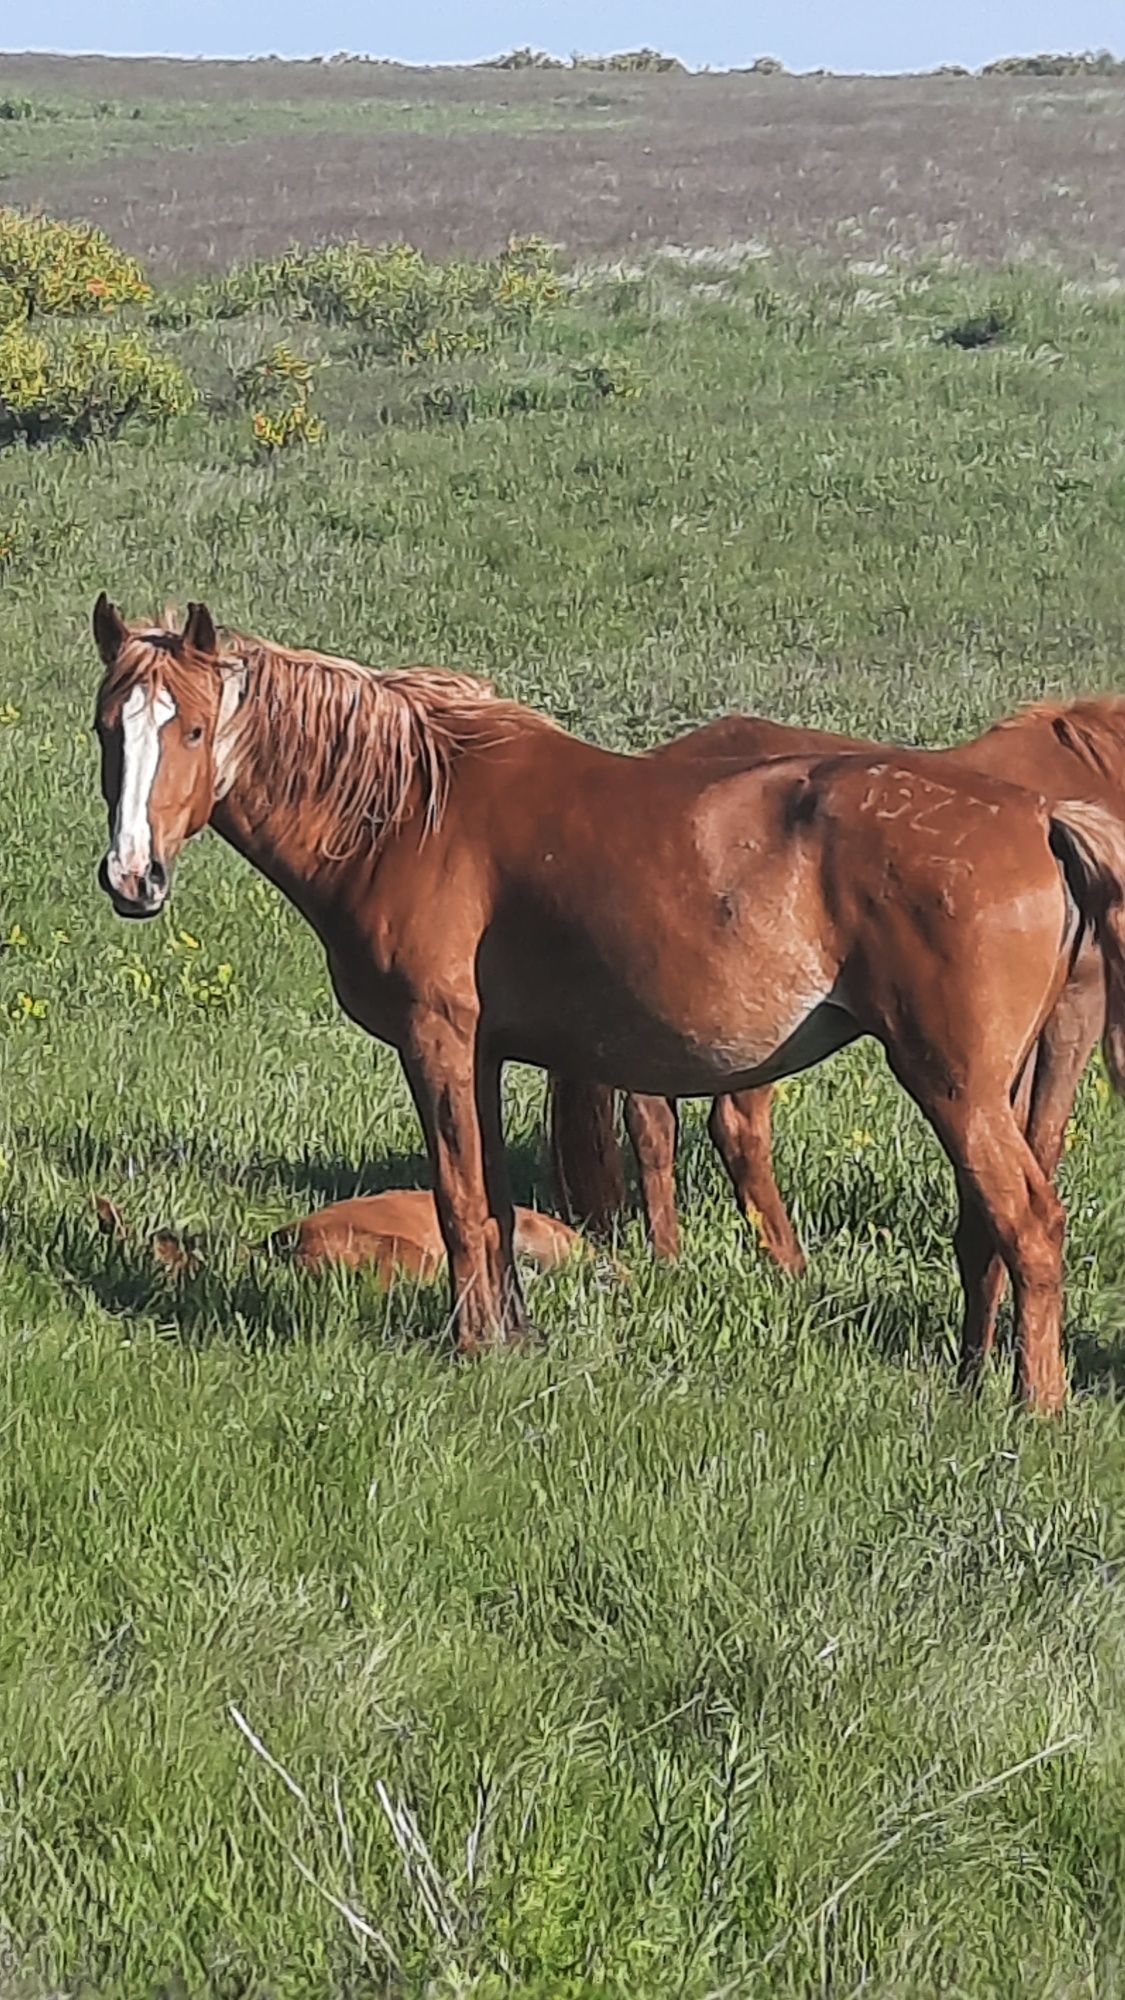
(650, 61)
(525, 58)
(1091, 62)
(279, 385)
(406, 306)
(582, 385)
(281, 371)
(26, 110)
(51, 267)
(601, 381)
(82, 383)
(295, 424)
(41, 111)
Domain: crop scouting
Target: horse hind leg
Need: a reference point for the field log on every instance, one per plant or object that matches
(982, 1269)
(1042, 1104)
(1065, 1046)
(1007, 1201)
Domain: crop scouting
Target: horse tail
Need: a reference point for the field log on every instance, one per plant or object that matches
(589, 1174)
(1089, 843)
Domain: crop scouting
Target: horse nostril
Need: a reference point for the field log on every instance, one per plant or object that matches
(157, 876)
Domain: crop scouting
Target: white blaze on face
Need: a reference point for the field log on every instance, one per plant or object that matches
(142, 719)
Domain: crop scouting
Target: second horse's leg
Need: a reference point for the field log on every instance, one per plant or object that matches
(513, 1313)
(652, 1124)
(740, 1129)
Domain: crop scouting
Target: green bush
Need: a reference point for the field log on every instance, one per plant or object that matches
(406, 306)
(646, 61)
(276, 388)
(26, 110)
(525, 58)
(42, 111)
(49, 267)
(84, 382)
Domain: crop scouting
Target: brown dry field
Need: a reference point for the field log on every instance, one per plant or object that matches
(990, 170)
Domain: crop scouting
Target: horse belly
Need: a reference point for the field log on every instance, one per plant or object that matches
(683, 1046)
(680, 983)
(825, 1029)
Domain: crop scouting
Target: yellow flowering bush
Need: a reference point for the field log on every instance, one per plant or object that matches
(81, 383)
(296, 424)
(408, 306)
(49, 267)
(526, 283)
(279, 384)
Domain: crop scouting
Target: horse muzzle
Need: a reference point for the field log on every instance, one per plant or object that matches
(134, 894)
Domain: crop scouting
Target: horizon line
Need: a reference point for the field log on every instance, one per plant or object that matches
(339, 57)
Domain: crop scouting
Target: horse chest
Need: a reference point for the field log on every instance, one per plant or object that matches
(367, 994)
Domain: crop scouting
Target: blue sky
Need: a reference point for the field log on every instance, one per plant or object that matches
(835, 34)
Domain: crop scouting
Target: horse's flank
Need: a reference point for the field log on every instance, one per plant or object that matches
(1058, 748)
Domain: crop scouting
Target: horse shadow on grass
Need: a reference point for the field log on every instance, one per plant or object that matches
(895, 1327)
(913, 1325)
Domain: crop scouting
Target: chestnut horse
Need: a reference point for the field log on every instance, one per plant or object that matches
(491, 889)
(1073, 749)
(394, 1234)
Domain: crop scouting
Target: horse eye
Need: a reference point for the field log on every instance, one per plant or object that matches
(194, 735)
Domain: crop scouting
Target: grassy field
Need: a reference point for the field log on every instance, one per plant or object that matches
(720, 1649)
(226, 162)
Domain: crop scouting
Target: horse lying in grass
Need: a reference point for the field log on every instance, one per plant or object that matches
(491, 889)
(394, 1234)
(1060, 750)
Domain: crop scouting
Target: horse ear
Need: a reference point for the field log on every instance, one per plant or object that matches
(199, 630)
(110, 629)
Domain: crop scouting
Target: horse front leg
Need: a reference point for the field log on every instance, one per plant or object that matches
(441, 1063)
(513, 1313)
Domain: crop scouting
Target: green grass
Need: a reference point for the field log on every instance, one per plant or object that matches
(720, 1648)
(37, 134)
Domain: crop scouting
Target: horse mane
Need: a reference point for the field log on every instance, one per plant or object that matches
(1091, 726)
(352, 746)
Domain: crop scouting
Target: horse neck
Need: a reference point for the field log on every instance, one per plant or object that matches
(1030, 750)
(291, 845)
(275, 843)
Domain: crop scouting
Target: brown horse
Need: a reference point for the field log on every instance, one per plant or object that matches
(395, 1234)
(1061, 750)
(489, 888)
